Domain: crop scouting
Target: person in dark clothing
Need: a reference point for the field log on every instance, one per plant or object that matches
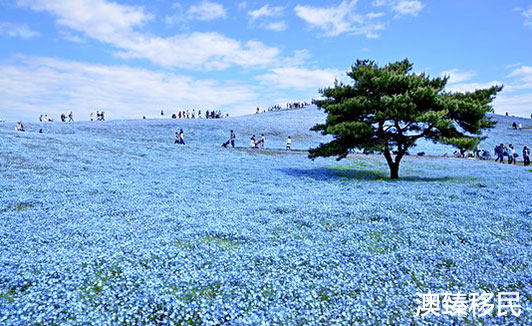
(230, 141)
(526, 156)
(180, 138)
(232, 138)
(501, 153)
(71, 117)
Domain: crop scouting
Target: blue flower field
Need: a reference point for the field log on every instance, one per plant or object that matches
(111, 223)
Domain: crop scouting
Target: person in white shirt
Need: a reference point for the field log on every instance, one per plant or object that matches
(262, 141)
(288, 143)
(20, 126)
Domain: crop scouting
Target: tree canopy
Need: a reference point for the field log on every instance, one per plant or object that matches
(387, 109)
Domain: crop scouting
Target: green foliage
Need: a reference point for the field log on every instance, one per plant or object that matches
(387, 109)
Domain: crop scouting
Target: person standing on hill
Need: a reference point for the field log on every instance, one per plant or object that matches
(70, 117)
(526, 156)
(511, 152)
(500, 153)
(288, 143)
(232, 138)
(181, 137)
(20, 126)
(230, 141)
(262, 141)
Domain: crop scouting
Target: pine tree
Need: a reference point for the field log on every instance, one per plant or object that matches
(387, 109)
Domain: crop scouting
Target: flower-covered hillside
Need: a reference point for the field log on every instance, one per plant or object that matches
(112, 224)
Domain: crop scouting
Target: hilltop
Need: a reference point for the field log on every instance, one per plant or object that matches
(275, 125)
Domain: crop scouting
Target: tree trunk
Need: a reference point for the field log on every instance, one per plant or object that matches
(393, 164)
(394, 171)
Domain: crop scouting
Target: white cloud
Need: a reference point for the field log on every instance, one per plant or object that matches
(265, 11)
(99, 19)
(402, 7)
(298, 58)
(520, 104)
(470, 87)
(458, 76)
(522, 79)
(178, 15)
(275, 26)
(528, 16)
(340, 19)
(373, 15)
(516, 97)
(524, 72)
(17, 30)
(31, 86)
(263, 18)
(67, 36)
(210, 51)
(412, 8)
(118, 26)
(206, 11)
(300, 78)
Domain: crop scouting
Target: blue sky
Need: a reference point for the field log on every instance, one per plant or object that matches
(134, 57)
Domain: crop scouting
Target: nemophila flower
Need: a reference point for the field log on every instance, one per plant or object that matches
(111, 224)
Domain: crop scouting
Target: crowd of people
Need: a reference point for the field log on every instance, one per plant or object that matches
(254, 142)
(501, 151)
(260, 143)
(193, 114)
(289, 106)
(70, 117)
(100, 116)
(45, 118)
